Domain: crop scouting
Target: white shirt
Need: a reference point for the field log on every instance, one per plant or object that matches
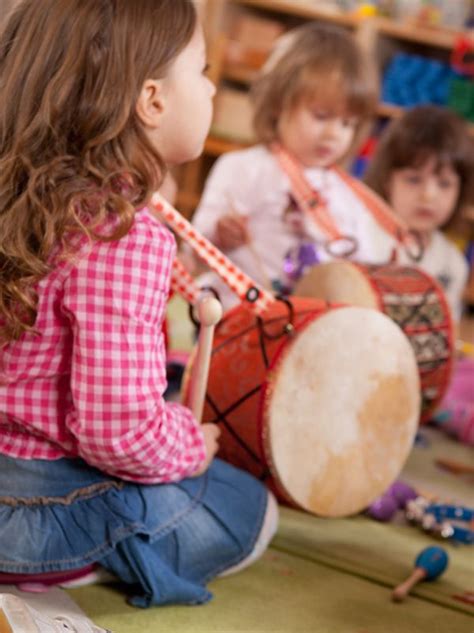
(251, 182)
(443, 261)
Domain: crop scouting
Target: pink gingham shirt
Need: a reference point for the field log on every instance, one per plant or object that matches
(91, 383)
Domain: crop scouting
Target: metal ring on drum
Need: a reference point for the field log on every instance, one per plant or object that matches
(413, 244)
(343, 246)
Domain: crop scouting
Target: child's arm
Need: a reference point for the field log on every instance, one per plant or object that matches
(222, 212)
(231, 232)
(116, 298)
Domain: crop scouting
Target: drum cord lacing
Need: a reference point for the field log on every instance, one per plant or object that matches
(287, 330)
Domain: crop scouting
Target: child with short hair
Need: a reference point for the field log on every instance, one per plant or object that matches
(312, 101)
(424, 168)
(99, 97)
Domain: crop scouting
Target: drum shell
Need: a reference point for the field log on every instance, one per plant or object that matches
(240, 368)
(409, 296)
(241, 382)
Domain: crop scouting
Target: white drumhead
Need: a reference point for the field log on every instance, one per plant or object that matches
(342, 411)
(337, 282)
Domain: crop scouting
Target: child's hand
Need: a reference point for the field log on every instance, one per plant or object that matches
(231, 232)
(211, 434)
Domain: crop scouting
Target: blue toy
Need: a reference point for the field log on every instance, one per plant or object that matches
(429, 564)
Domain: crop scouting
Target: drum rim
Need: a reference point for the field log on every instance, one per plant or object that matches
(449, 326)
(265, 399)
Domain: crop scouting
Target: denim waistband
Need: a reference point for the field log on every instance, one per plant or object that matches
(38, 481)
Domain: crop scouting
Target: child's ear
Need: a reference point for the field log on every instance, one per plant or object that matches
(150, 104)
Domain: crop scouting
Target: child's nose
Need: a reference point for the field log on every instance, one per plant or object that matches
(430, 190)
(332, 127)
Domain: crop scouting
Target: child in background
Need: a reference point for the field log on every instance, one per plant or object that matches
(313, 98)
(99, 97)
(424, 168)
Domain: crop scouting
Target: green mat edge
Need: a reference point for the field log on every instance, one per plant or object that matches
(421, 590)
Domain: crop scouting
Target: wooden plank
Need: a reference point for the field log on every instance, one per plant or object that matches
(302, 9)
(439, 37)
(216, 146)
(391, 111)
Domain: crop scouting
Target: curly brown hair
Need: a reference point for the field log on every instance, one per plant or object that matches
(73, 153)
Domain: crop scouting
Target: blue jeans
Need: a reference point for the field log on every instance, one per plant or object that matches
(165, 541)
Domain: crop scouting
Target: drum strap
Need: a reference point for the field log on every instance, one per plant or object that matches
(241, 284)
(310, 201)
(315, 207)
(183, 283)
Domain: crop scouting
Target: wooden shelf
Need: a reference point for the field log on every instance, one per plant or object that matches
(438, 37)
(467, 324)
(239, 73)
(380, 37)
(186, 200)
(391, 111)
(215, 145)
(302, 9)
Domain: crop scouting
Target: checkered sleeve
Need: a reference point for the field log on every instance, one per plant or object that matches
(115, 298)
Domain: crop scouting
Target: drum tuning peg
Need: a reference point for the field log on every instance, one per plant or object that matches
(289, 329)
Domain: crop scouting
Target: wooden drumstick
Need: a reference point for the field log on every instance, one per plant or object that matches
(430, 563)
(209, 313)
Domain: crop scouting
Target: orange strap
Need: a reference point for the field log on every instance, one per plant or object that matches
(183, 283)
(380, 210)
(241, 284)
(309, 200)
(315, 207)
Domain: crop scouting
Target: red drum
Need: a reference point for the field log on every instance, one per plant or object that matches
(413, 299)
(324, 410)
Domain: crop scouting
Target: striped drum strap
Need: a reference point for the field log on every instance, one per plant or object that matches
(380, 210)
(240, 283)
(309, 200)
(183, 283)
(315, 207)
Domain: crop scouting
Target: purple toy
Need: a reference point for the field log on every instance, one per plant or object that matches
(383, 508)
(402, 493)
(395, 497)
(299, 259)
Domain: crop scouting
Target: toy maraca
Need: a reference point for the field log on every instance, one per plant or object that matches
(429, 564)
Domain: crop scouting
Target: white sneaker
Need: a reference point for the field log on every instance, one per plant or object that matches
(17, 616)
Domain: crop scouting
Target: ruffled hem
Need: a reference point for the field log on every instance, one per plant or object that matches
(167, 541)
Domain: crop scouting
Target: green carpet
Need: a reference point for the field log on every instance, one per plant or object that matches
(327, 575)
(280, 593)
(378, 552)
(382, 552)
(323, 575)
